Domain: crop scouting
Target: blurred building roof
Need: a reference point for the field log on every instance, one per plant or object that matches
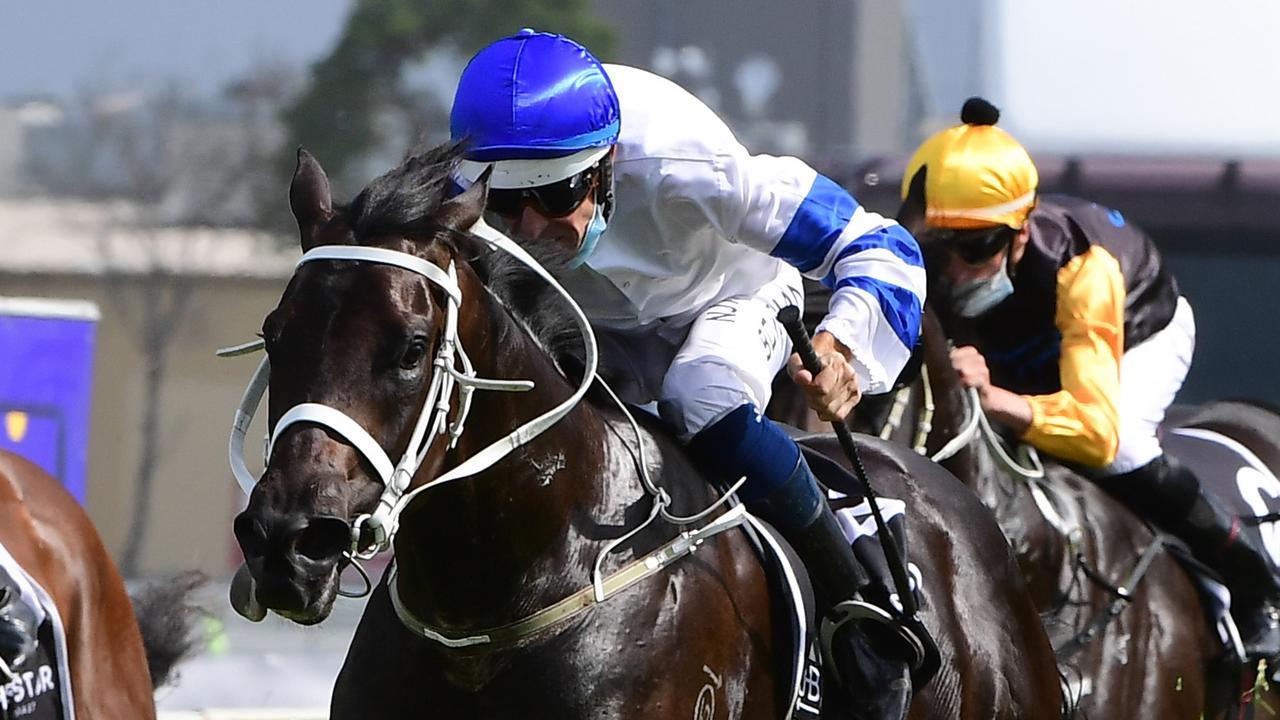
(71, 237)
(1160, 193)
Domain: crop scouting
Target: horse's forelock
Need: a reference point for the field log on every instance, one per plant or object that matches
(407, 196)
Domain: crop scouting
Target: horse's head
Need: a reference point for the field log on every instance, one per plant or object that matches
(358, 338)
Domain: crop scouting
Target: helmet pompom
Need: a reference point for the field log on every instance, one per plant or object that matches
(978, 111)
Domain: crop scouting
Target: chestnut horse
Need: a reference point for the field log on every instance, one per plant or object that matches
(549, 577)
(116, 659)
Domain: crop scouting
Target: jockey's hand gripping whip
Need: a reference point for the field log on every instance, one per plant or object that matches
(790, 318)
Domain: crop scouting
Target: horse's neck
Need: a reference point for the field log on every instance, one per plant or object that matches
(487, 550)
(1039, 547)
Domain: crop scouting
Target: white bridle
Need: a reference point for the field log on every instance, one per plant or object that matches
(451, 367)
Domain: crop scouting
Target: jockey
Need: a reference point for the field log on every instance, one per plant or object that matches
(1074, 333)
(684, 247)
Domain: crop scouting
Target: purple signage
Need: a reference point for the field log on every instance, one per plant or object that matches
(46, 376)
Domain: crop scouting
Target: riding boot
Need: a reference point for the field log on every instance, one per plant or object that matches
(872, 657)
(1169, 494)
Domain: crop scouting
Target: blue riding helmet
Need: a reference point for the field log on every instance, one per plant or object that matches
(537, 106)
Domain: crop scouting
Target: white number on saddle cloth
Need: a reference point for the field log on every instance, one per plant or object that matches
(1252, 484)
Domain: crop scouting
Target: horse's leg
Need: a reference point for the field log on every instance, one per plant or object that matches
(390, 673)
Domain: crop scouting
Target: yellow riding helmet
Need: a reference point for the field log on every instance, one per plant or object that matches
(978, 175)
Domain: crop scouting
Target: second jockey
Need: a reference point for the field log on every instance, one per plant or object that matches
(684, 248)
(1074, 333)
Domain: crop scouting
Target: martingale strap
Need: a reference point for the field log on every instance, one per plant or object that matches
(1122, 595)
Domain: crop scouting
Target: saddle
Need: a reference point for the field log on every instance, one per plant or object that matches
(789, 578)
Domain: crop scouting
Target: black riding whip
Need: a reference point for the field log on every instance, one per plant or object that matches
(790, 318)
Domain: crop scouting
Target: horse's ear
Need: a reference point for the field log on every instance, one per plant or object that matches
(463, 210)
(912, 211)
(309, 197)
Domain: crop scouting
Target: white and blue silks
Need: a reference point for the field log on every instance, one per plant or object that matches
(698, 220)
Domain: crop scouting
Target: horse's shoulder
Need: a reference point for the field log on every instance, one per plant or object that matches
(33, 504)
(667, 462)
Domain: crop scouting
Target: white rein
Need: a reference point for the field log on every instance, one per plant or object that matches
(1029, 469)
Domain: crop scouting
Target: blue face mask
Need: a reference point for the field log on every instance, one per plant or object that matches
(595, 229)
(976, 297)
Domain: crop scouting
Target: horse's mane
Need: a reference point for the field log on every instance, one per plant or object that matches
(403, 201)
(532, 301)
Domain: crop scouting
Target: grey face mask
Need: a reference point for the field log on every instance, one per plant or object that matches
(978, 296)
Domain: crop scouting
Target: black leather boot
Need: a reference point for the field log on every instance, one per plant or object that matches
(872, 656)
(1166, 492)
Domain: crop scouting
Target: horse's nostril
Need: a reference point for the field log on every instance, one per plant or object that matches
(251, 535)
(324, 538)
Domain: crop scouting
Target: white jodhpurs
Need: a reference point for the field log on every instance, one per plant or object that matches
(1150, 376)
(698, 374)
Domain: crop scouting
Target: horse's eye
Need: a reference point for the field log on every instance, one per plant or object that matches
(414, 353)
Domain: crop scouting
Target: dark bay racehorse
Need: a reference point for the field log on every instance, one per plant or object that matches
(116, 659)
(1148, 661)
(1157, 657)
(698, 638)
(1159, 642)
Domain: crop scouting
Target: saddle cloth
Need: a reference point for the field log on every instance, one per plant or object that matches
(1237, 479)
(1245, 486)
(789, 579)
(40, 688)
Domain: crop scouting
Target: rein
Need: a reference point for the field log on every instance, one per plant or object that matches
(1030, 469)
(453, 369)
(1027, 466)
(1121, 596)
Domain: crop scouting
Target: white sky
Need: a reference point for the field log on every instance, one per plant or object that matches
(1138, 75)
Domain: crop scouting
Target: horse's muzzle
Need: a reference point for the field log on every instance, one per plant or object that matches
(290, 564)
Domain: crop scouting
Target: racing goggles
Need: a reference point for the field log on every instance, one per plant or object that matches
(556, 199)
(975, 247)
